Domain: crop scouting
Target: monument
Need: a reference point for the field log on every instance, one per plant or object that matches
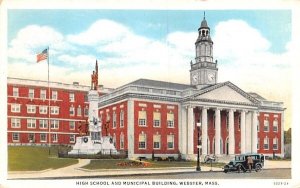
(93, 142)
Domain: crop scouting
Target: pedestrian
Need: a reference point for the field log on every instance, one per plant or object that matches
(250, 163)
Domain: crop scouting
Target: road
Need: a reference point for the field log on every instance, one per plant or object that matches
(264, 174)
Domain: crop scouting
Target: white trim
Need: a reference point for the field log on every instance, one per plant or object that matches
(38, 118)
(130, 128)
(46, 132)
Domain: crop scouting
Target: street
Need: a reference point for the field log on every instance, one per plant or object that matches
(264, 174)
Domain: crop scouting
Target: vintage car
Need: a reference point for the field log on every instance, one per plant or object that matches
(240, 163)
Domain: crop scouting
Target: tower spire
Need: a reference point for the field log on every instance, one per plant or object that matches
(204, 16)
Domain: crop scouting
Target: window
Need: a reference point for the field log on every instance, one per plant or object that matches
(86, 111)
(54, 110)
(114, 139)
(31, 137)
(72, 138)
(142, 118)
(156, 141)
(275, 143)
(71, 97)
(43, 123)
(54, 95)
(15, 123)
(122, 141)
(266, 125)
(15, 137)
(170, 141)
(156, 119)
(258, 143)
(31, 123)
(15, 108)
(258, 125)
(170, 120)
(31, 93)
(122, 118)
(43, 137)
(54, 137)
(43, 94)
(114, 119)
(107, 117)
(86, 99)
(31, 109)
(15, 92)
(72, 111)
(79, 111)
(43, 109)
(142, 141)
(54, 124)
(72, 125)
(266, 143)
(275, 125)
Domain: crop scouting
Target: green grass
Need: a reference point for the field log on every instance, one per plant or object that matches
(34, 158)
(112, 164)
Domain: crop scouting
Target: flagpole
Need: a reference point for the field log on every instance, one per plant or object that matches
(49, 125)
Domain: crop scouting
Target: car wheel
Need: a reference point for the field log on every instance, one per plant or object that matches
(226, 169)
(257, 168)
(239, 168)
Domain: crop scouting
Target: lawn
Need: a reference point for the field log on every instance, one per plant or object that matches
(34, 158)
(117, 164)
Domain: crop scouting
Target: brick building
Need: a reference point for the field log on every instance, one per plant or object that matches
(147, 117)
(28, 111)
(150, 116)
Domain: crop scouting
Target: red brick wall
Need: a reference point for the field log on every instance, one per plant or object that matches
(149, 130)
(118, 130)
(270, 134)
(64, 115)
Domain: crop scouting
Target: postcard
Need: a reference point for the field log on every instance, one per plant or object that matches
(149, 93)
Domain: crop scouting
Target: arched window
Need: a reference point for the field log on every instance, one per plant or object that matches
(275, 125)
(121, 140)
(275, 143)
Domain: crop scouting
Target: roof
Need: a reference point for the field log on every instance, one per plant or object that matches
(204, 23)
(257, 96)
(160, 84)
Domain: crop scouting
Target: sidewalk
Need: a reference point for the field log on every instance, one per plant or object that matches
(75, 171)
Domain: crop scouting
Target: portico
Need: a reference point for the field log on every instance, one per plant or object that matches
(246, 143)
(232, 128)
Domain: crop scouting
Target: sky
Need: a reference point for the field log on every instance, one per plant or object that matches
(252, 46)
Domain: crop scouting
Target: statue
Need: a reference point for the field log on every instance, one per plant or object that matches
(94, 78)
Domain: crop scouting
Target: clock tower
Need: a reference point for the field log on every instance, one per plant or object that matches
(204, 71)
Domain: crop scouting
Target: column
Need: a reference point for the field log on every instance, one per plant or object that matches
(254, 132)
(282, 133)
(231, 149)
(183, 133)
(248, 131)
(190, 139)
(218, 131)
(130, 128)
(204, 131)
(243, 131)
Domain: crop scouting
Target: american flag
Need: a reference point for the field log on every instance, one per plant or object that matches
(42, 56)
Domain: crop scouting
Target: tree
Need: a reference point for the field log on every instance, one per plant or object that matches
(288, 136)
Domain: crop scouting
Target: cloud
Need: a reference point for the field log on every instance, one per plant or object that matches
(101, 32)
(235, 39)
(32, 40)
(82, 61)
